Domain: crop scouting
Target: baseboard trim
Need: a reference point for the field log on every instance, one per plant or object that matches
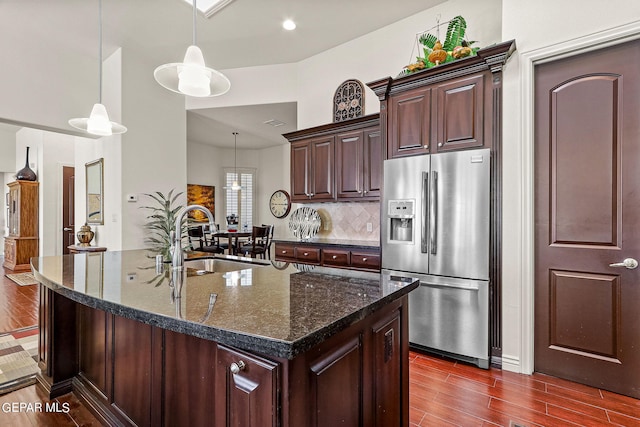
(511, 363)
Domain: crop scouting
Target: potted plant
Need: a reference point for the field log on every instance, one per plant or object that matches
(161, 222)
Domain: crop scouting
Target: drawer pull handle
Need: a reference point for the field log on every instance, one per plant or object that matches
(306, 253)
(237, 367)
(284, 252)
(335, 256)
(364, 259)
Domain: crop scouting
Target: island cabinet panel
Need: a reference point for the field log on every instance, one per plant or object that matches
(387, 399)
(188, 382)
(460, 113)
(246, 390)
(409, 127)
(132, 371)
(337, 385)
(92, 339)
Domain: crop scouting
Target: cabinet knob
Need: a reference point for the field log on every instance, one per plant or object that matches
(366, 191)
(426, 147)
(334, 257)
(306, 253)
(284, 252)
(364, 259)
(237, 367)
(440, 144)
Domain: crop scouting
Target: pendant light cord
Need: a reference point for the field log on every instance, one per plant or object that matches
(100, 51)
(194, 22)
(235, 155)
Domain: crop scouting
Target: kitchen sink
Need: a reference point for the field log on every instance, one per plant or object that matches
(222, 265)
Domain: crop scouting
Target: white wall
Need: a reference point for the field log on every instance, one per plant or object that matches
(543, 25)
(383, 53)
(7, 150)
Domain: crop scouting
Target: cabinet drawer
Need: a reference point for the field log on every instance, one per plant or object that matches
(335, 258)
(365, 260)
(285, 252)
(308, 254)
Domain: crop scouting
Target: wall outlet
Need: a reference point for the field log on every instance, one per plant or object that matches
(369, 227)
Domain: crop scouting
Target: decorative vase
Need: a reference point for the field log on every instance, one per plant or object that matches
(85, 235)
(26, 173)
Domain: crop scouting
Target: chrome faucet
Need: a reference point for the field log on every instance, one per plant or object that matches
(177, 263)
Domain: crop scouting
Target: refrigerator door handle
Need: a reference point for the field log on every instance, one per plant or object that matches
(424, 245)
(433, 213)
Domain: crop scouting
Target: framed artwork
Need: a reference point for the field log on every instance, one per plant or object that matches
(204, 195)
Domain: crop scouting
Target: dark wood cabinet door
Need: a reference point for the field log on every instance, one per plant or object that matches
(300, 170)
(248, 396)
(336, 386)
(410, 123)
(459, 115)
(387, 380)
(349, 165)
(322, 169)
(92, 345)
(373, 157)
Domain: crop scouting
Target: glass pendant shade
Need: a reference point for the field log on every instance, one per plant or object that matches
(98, 123)
(192, 77)
(235, 185)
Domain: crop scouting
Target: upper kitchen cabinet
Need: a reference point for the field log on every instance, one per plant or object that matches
(337, 161)
(313, 169)
(453, 106)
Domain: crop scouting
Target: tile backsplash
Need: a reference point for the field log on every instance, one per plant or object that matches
(348, 220)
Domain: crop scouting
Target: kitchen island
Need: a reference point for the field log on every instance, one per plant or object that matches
(243, 343)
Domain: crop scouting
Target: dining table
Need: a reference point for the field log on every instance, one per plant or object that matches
(233, 237)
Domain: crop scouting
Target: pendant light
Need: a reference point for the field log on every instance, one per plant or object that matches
(98, 122)
(192, 77)
(235, 185)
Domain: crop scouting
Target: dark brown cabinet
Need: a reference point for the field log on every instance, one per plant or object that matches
(22, 242)
(359, 164)
(134, 374)
(247, 392)
(409, 127)
(454, 106)
(312, 170)
(338, 161)
(329, 255)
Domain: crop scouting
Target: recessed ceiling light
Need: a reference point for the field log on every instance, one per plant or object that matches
(209, 7)
(289, 25)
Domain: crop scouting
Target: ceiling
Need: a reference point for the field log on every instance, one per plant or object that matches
(245, 33)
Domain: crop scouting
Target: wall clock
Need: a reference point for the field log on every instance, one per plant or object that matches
(280, 203)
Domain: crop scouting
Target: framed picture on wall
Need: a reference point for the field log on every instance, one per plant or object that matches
(204, 195)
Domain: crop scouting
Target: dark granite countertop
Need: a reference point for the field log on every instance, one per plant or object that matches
(348, 243)
(258, 308)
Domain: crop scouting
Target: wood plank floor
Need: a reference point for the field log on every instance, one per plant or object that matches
(442, 392)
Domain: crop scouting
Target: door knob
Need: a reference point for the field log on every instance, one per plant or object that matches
(629, 263)
(237, 367)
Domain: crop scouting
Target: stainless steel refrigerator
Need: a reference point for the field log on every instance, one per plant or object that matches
(436, 227)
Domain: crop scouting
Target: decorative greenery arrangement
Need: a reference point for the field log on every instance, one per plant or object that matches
(161, 221)
(455, 47)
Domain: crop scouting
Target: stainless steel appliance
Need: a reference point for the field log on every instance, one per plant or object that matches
(436, 227)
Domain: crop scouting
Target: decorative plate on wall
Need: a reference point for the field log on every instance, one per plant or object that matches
(305, 223)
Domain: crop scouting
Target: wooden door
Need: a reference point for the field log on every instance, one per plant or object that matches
(300, 164)
(460, 121)
(246, 390)
(349, 165)
(68, 207)
(372, 173)
(410, 123)
(322, 169)
(587, 160)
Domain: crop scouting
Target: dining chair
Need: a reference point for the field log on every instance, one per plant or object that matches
(203, 245)
(258, 243)
(269, 239)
